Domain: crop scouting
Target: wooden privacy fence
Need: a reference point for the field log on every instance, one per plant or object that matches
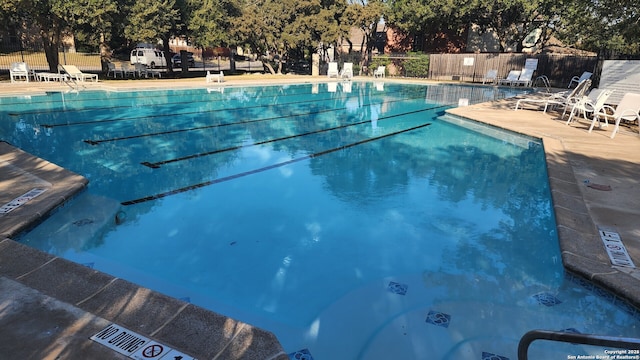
(559, 68)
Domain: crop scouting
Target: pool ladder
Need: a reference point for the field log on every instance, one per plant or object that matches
(69, 80)
(585, 339)
(72, 84)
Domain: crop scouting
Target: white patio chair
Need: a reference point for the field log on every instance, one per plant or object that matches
(214, 77)
(347, 71)
(333, 70)
(590, 104)
(491, 76)
(525, 78)
(379, 72)
(19, 70)
(511, 77)
(563, 98)
(627, 110)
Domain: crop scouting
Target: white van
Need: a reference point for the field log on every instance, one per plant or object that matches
(150, 57)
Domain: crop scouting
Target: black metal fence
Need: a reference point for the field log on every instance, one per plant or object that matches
(34, 56)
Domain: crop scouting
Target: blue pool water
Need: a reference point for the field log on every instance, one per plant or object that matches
(353, 220)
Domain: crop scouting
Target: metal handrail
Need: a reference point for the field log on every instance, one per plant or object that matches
(574, 338)
(68, 79)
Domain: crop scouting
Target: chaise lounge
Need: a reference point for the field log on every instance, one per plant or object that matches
(78, 75)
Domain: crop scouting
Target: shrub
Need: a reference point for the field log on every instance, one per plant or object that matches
(382, 60)
(417, 65)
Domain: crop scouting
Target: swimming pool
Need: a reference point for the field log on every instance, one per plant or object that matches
(351, 219)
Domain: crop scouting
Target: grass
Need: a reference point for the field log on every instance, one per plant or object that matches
(38, 60)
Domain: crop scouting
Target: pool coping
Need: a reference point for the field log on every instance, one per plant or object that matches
(205, 334)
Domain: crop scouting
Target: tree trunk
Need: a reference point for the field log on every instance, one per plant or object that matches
(269, 67)
(51, 43)
(53, 59)
(167, 54)
(105, 53)
(367, 45)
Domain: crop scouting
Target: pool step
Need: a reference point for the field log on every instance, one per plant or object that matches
(82, 222)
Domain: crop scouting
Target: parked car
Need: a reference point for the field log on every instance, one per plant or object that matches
(176, 60)
(149, 57)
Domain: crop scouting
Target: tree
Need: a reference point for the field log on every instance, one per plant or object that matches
(262, 24)
(289, 27)
(366, 15)
(513, 20)
(91, 22)
(208, 21)
(47, 17)
(53, 18)
(315, 22)
(432, 20)
(606, 25)
(150, 20)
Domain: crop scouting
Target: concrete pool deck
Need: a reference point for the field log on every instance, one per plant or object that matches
(50, 306)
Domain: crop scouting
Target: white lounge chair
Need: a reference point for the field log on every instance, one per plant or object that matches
(564, 98)
(585, 76)
(569, 98)
(347, 71)
(333, 70)
(379, 72)
(47, 77)
(592, 103)
(491, 77)
(19, 70)
(214, 77)
(78, 75)
(525, 78)
(628, 110)
(511, 77)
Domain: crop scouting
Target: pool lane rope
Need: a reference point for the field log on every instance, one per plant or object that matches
(156, 165)
(273, 166)
(204, 127)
